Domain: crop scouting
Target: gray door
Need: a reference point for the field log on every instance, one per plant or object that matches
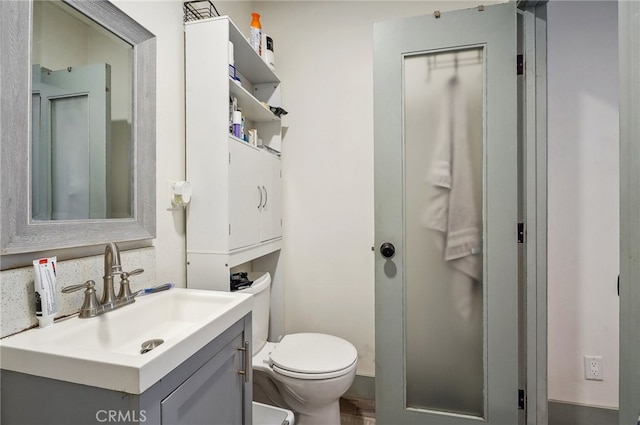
(446, 200)
(71, 143)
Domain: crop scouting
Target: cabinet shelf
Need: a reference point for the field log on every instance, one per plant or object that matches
(247, 60)
(239, 140)
(252, 107)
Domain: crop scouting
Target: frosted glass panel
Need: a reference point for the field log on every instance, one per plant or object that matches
(70, 169)
(443, 151)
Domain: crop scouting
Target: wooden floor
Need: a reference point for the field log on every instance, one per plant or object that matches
(357, 411)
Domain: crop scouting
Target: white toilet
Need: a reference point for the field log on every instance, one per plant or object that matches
(304, 372)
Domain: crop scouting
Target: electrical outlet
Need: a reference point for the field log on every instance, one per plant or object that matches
(593, 368)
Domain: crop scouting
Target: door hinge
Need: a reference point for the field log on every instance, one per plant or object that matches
(229, 228)
(229, 157)
(521, 234)
(522, 400)
(520, 64)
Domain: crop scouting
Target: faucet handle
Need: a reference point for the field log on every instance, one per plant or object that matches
(90, 305)
(125, 275)
(125, 289)
(89, 284)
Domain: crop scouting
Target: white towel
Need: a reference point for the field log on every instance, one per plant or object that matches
(451, 209)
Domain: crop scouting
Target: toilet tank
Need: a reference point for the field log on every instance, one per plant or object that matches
(260, 289)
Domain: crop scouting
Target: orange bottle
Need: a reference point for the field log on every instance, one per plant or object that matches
(255, 38)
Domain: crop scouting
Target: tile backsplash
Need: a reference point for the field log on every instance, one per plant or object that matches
(17, 297)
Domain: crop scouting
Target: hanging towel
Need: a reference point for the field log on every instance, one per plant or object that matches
(451, 209)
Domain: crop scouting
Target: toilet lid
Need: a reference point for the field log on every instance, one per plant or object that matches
(312, 353)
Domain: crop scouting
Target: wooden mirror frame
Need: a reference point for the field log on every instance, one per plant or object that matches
(18, 232)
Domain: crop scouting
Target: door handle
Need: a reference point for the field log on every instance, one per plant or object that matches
(387, 250)
(245, 361)
(260, 202)
(266, 197)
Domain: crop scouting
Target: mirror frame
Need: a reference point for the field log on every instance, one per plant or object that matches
(18, 232)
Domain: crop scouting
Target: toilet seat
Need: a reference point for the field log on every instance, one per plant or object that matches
(312, 376)
(313, 356)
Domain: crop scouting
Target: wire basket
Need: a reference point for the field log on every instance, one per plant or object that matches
(199, 9)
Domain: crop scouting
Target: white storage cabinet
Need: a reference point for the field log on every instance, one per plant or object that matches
(235, 214)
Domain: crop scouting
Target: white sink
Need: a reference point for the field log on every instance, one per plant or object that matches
(104, 351)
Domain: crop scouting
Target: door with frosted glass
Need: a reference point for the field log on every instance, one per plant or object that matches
(446, 218)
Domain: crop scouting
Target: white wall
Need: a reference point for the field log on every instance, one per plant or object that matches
(164, 19)
(323, 55)
(583, 199)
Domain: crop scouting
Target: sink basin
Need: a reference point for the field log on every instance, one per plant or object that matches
(105, 351)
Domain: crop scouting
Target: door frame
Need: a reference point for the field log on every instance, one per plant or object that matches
(629, 60)
(534, 157)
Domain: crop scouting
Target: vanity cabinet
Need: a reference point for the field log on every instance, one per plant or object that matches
(207, 388)
(235, 214)
(212, 394)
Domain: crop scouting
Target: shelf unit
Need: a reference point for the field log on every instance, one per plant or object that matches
(252, 107)
(235, 214)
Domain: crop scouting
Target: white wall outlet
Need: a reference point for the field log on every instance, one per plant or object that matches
(593, 368)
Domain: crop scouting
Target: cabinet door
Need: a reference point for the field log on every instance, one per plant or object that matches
(245, 195)
(212, 395)
(271, 184)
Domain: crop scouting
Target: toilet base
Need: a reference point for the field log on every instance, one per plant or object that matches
(326, 415)
(266, 391)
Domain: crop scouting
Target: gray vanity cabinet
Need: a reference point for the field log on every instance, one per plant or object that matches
(212, 395)
(207, 388)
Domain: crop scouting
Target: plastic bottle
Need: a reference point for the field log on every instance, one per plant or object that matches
(237, 124)
(255, 38)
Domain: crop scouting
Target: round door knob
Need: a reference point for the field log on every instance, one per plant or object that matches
(387, 250)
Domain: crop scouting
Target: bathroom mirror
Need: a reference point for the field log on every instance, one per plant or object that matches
(77, 122)
(80, 116)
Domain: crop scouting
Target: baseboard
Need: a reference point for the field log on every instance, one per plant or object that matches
(560, 413)
(363, 387)
(563, 413)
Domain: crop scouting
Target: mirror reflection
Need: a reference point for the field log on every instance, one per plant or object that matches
(81, 144)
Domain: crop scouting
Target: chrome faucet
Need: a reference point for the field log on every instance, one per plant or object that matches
(112, 268)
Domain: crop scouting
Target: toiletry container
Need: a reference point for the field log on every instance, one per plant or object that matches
(255, 33)
(267, 47)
